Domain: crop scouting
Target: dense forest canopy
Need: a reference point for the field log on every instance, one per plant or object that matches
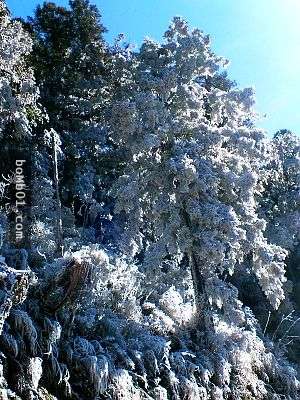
(149, 230)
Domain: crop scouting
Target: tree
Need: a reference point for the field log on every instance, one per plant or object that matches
(70, 61)
(18, 107)
(20, 112)
(191, 186)
(281, 201)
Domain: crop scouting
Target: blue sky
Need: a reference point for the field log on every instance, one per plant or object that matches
(261, 38)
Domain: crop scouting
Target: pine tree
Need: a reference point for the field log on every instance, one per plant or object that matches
(70, 61)
(20, 113)
(19, 94)
(281, 201)
(191, 186)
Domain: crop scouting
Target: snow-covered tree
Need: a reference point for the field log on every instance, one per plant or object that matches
(281, 199)
(280, 206)
(70, 61)
(19, 109)
(191, 185)
(18, 100)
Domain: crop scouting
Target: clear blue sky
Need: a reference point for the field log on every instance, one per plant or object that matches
(261, 38)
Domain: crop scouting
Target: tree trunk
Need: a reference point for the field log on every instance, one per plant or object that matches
(58, 219)
(198, 281)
